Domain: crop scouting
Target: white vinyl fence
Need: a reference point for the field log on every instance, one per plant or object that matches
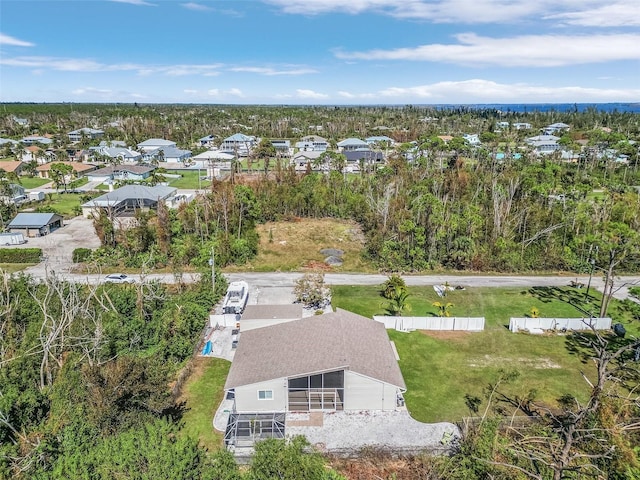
(407, 324)
(538, 325)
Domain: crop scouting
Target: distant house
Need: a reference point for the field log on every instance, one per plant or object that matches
(521, 126)
(113, 143)
(208, 141)
(368, 156)
(502, 126)
(350, 144)
(155, 143)
(12, 167)
(555, 128)
(380, 141)
(120, 154)
(543, 144)
(35, 224)
(312, 143)
(166, 154)
(33, 139)
(79, 169)
(14, 193)
(23, 122)
(125, 201)
(472, 139)
(283, 147)
(121, 173)
(330, 362)
(301, 159)
(4, 141)
(88, 133)
(238, 144)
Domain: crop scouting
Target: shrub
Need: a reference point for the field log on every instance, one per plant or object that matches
(390, 286)
(20, 255)
(81, 255)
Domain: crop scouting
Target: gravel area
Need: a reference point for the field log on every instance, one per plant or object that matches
(350, 432)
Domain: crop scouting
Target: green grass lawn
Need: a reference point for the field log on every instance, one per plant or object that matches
(203, 393)
(14, 267)
(63, 203)
(189, 179)
(440, 368)
(33, 182)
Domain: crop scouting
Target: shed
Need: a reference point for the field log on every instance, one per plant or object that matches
(35, 224)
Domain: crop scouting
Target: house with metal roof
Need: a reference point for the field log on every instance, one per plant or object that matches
(121, 173)
(208, 141)
(33, 139)
(380, 140)
(126, 200)
(352, 144)
(35, 224)
(312, 143)
(543, 144)
(336, 361)
(238, 144)
(155, 143)
(88, 133)
(558, 127)
(121, 154)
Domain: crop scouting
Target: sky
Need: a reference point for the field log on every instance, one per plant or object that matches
(324, 52)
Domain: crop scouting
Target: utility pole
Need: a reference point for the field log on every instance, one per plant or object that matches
(212, 262)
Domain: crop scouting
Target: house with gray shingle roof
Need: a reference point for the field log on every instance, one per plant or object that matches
(330, 362)
(155, 143)
(352, 144)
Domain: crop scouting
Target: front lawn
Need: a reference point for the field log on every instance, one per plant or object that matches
(65, 204)
(440, 368)
(33, 182)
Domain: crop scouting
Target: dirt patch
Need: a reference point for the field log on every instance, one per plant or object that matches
(374, 465)
(316, 265)
(533, 363)
(446, 334)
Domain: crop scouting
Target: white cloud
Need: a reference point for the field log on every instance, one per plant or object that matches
(481, 91)
(232, 92)
(91, 91)
(472, 11)
(85, 65)
(522, 51)
(14, 42)
(271, 71)
(198, 7)
(303, 93)
(190, 91)
(141, 3)
(621, 14)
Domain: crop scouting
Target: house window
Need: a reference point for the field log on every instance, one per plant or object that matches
(265, 394)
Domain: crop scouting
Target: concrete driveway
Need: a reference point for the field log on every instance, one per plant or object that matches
(58, 246)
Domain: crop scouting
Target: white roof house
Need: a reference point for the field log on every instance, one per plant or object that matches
(472, 138)
(352, 144)
(89, 133)
(330, 362)
(555, 128)
(544, 144)
(238, 144)
(312, 143)
(155, 143)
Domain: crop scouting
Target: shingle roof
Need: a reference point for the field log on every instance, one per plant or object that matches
(319, 343)
(156, 142)
(33, 220)
(261, 312)
(137, 169)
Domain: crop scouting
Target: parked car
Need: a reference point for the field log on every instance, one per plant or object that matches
(118, 278)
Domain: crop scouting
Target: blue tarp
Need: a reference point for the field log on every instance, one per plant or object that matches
(207, 348)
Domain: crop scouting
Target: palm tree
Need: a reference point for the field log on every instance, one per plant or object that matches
(443, 308)
(398, 302)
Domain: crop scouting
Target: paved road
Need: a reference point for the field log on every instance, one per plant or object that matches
(280, 279)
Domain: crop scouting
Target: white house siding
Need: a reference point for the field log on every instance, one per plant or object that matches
(363, 393)
(247, 397)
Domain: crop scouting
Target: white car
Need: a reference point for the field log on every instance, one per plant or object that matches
(118, 278)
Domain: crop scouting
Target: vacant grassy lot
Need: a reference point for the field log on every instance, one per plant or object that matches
(65, 204)
(202, 394)
(295, 246)
(189, 179)
(440, 368)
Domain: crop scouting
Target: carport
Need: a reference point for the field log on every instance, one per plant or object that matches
(35, 224)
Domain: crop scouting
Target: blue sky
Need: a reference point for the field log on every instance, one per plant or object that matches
(320, 51)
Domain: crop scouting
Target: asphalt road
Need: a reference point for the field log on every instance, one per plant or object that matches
(285, 279)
